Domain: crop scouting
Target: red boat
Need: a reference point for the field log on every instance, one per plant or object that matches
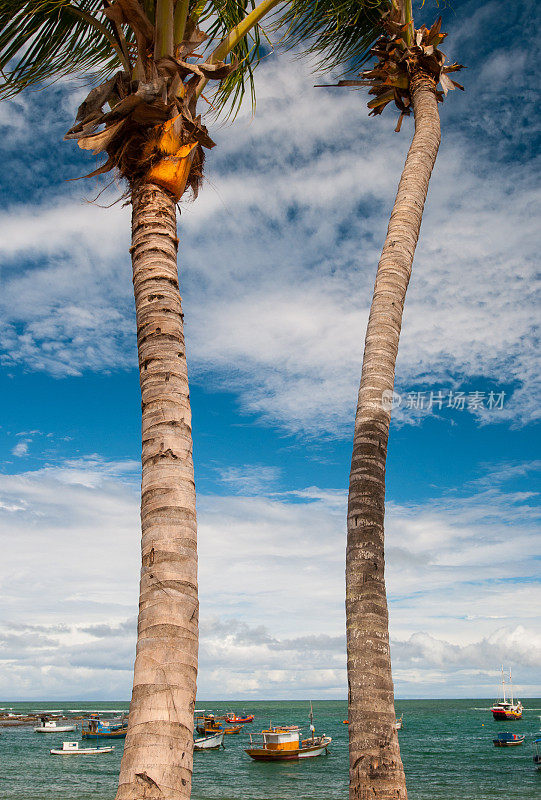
(507, 708)
(232, 717)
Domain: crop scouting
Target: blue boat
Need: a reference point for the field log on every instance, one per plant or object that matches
(509, 739)
(537, 756)
(96, 728)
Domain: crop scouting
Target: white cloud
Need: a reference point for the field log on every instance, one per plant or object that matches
(20, 449)
(461, 579)
(249, 479)
(278, 257)
(69, 307)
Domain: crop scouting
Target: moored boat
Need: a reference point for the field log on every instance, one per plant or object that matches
(537, 754)
(233, 729)
(53, 727)
(507, 707)
(212, 742)
(243, 719)
(509, 739)
(73, 749)
(96, 728)
(207, 725)
(284, 743)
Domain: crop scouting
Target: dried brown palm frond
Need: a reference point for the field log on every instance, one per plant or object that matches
(152, 130)
(151, 59)
(399, 63)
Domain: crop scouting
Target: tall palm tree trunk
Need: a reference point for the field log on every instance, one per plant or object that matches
(376, 770)
(157, 760)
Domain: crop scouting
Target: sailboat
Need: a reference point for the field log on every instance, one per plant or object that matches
(507, 708)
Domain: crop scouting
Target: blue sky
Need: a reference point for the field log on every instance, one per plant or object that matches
(277, 261)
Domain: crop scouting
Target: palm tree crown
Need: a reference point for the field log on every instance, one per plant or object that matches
(151, 60)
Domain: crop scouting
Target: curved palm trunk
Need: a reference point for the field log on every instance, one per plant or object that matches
(376, 770)
(157, 760)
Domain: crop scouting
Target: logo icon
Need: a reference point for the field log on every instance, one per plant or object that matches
(390, 400)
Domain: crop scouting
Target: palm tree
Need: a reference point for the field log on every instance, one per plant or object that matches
(408, 69)
(143, 115)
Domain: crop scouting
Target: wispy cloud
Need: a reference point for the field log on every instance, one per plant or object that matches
(462, 578)
(278, 254)
(250, 479)
(21, 448)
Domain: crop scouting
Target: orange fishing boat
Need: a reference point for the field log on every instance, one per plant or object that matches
(208, 724)
(284, 743)
(233, 729)
(232, 717)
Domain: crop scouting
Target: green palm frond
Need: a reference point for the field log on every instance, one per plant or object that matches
(223, 16)
(43, 40)
(340, 32)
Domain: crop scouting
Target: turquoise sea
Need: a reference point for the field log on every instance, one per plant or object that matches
(446, 746)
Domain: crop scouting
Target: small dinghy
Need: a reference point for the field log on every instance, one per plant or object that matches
(212, 742)
(73, 749)
(509, 739)
(54, 727)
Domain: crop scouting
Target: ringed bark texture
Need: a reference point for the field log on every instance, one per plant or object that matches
(157, 760)
(376, 770)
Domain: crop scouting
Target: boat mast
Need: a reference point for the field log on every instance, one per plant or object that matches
(511, 685)
(503, 685)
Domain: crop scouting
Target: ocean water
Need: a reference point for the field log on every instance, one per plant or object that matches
(446, 746)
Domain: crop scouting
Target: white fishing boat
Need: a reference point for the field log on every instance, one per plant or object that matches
(54, 727)
(399, 724)
(73, 749)
(212, 742)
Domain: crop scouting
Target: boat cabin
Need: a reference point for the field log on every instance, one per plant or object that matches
(281, 739)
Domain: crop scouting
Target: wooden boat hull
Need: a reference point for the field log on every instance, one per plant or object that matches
(308, 750)
(58, 729)
(509, 739)
(202, 731)
(104, 734)
(209, 742)
(507, 714)
(87, 751)
(240, 720)
(498, 743)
